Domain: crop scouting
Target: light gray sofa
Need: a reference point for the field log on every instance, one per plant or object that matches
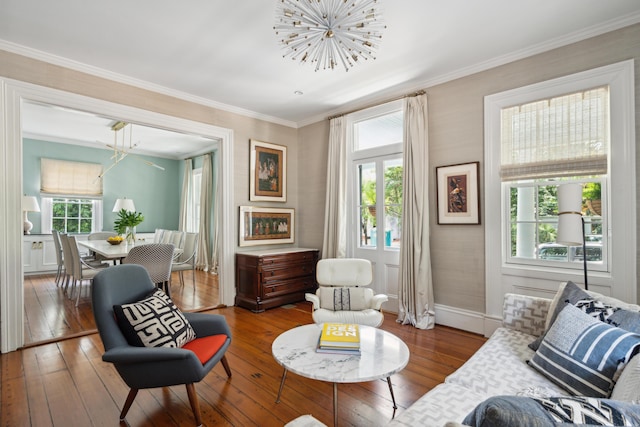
(500, 368)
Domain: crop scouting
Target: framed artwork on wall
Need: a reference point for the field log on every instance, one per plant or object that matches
(268, 172)
(458, 193)
(266, 226)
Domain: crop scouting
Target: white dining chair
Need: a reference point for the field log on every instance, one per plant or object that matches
(60, 274)
(79, 270)
(187, 259)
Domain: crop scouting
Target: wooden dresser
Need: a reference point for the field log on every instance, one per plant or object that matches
(271, 278)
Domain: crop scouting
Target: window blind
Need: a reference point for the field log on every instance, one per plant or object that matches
(65, 178)
(562, 136)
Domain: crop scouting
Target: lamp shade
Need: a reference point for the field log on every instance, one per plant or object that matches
(30, 204)
(126, 204)
(570, 215)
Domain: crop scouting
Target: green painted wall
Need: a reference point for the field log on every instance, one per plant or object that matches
(156, 193)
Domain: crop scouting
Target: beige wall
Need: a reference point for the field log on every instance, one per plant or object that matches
(456, 135)
(312, 171)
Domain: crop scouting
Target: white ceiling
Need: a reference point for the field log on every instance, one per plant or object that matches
(225, 53)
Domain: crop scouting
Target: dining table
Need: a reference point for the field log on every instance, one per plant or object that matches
(114, 252)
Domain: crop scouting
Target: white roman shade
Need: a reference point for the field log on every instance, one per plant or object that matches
(562, 136)
(63, 178)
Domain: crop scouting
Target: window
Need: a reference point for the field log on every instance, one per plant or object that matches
(72, 196)
(72, 215)
(392, 205)
(593, 112)
(377, 160)
(545, 143)
(194, 207)
(533, 213)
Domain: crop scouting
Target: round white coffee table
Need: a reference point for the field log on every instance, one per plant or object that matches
(382, 355)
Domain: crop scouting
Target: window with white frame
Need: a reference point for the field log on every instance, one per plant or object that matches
(596, 148)
(546, 143)
(72, 196)
(194, 207)
(377, 162)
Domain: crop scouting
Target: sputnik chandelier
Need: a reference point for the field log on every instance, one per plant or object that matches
(329, 33)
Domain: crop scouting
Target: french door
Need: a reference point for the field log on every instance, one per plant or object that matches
(376, 227)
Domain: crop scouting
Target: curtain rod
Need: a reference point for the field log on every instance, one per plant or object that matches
(418, 93)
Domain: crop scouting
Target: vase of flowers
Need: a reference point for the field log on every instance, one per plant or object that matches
(126, 224)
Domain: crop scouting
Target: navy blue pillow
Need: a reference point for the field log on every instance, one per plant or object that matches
(584, 355)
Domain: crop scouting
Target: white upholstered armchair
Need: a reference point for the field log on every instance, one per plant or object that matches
(343, 296)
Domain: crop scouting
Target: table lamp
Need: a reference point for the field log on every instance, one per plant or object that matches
(124, 203)
(29, 204)
(571, 222)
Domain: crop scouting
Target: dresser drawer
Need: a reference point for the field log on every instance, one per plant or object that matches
(291, 270)
(286, 287)
(282, 260)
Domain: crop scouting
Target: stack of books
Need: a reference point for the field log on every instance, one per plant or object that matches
(343, 338)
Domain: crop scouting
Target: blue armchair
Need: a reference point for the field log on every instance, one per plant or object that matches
(150, 367)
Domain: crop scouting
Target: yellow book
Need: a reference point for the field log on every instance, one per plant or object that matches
(341, 335)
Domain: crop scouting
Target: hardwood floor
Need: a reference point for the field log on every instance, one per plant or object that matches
(66, 383)
(50, 314)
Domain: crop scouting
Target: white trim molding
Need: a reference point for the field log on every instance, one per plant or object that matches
(12, 94)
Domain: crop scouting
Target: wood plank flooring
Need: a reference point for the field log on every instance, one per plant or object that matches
(66, 383)
(50, 314)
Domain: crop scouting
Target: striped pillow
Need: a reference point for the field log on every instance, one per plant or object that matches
(348, 298)
(583, 355)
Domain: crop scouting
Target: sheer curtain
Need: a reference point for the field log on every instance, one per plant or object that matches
(186, 197)
(216, 223)
(204, 229)
(335, 214)
(415, 288)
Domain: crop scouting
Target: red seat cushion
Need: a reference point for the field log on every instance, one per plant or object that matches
(206, 347)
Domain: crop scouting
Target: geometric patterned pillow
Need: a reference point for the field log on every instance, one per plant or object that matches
(154, 322)
(583, 355)
(597, 309)
(572, 294)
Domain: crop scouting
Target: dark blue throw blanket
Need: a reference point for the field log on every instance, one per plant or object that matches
(501, 411)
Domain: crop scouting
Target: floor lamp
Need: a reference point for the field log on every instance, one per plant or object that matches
(571, 230)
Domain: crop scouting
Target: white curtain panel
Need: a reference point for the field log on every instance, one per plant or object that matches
(216, 224)
(335, 215)
(415, 290)
(185, 199)
(204, 230)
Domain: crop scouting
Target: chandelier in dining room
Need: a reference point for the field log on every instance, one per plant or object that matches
(120, 148)
(329, 33)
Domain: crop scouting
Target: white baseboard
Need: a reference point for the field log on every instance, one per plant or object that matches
(467, 320)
